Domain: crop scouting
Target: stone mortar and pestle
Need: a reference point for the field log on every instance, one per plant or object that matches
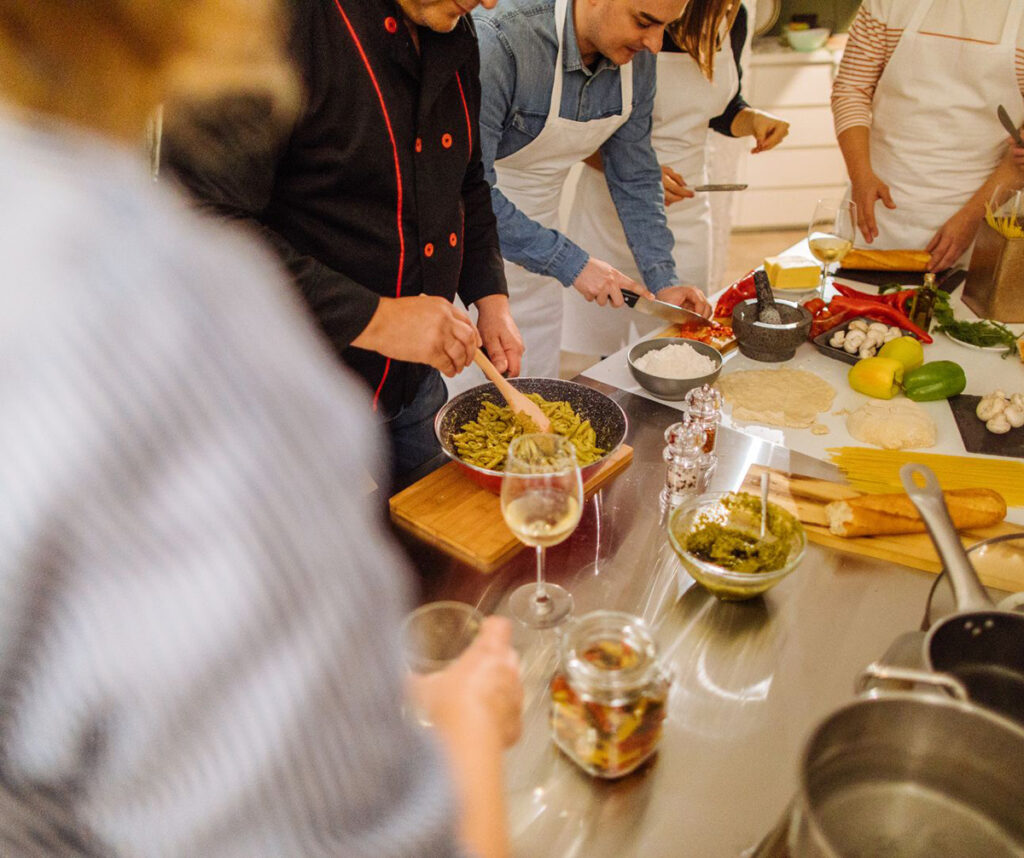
(766, 329)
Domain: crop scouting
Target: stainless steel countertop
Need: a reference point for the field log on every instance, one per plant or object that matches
(751, 679)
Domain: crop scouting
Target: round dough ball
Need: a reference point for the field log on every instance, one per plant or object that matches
(894, 424)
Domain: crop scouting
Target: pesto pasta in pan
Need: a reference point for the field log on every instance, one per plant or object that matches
(484, 441)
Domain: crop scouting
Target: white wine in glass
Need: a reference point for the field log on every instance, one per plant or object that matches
(541, 501)
(830, 233)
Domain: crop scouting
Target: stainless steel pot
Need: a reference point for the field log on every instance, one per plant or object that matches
(910, 775)
(980, 645)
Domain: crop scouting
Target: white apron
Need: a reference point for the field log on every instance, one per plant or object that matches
(532, 179)
(684, 104)
(935, 137)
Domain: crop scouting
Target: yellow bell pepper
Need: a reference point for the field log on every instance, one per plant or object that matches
(879, 377)
(907, 350)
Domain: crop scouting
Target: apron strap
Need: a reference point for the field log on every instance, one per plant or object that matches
(561, 9)
(1012, 28)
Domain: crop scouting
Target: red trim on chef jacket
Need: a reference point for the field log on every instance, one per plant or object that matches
(398, 173)
(465, 108)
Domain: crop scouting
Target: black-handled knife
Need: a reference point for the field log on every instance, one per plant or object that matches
(1009, 125)
(664, 310)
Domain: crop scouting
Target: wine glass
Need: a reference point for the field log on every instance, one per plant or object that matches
(541, 501)
(830, 233)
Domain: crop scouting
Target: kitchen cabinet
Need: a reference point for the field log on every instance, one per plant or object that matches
(786, 181)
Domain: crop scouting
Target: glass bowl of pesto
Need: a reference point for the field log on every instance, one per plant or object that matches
(718, 539)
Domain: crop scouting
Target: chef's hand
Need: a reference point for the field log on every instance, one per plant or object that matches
(1017, 153)
(952, 240)
(501, 338)
(599, 281)
(768, 130)
(421, 329)
(479, 691)
(687, 297)
(675, 186)
(865, 192)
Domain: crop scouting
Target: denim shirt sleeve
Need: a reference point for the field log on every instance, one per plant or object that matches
(523, 240)
(634, 179)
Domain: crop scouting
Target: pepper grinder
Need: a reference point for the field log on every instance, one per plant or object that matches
(704, 407)
(687, 473)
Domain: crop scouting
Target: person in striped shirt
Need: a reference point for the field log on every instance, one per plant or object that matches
(199, 610)
(914, 104)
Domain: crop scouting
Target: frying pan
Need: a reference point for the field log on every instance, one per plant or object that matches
(981, 646)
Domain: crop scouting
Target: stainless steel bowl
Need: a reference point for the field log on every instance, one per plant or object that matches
(671, 388)
(604, 414)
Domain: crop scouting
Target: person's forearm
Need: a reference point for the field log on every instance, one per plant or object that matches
(475, 760)
(855, 145)
(1006, 175)
(743, 123)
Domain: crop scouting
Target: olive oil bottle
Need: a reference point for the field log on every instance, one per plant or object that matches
(923, 303)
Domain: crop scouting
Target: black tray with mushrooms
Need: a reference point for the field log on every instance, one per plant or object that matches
(856, 339)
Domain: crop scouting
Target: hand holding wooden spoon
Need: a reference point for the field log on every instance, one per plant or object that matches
(516, 401)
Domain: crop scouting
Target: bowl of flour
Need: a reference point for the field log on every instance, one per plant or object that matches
(669, 367)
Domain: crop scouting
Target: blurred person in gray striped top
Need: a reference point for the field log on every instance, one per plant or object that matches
(198, 612)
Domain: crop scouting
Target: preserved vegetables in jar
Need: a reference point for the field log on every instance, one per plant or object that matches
(609, 694)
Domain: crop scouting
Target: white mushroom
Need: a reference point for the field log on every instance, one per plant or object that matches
(879, 327)
(867, 350)
(893, 334)
(854, 340)
(998, 425)
(990, 406)
(1014, 416)
(857, 325)
(837, 339)
(1017, 401)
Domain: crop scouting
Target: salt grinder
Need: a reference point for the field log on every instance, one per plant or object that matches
(704, 407)
(688, 473)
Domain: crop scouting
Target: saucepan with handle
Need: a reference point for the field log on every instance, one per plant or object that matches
(980, 645)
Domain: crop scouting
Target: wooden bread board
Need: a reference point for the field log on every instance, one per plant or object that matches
(806, 498)
(449, 511)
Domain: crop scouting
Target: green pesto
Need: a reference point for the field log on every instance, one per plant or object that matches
(739, 548)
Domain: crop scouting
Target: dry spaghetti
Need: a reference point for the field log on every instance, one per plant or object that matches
(879, 471)
(484, 442)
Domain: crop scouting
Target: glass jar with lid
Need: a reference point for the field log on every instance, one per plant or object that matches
(609, 694)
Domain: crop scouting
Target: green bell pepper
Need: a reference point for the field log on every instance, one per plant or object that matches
(937, 379)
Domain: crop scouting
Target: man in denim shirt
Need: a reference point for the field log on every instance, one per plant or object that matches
(551, 96)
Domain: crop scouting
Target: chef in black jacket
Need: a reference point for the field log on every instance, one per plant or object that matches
(375, 198)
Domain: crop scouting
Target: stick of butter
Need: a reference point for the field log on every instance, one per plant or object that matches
(792, 272)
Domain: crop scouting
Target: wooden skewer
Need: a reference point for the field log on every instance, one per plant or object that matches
(516, 401)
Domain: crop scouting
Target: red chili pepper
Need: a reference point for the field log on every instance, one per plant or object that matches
(739, 291)
(814, 305)
(896, 299)
(881, 312)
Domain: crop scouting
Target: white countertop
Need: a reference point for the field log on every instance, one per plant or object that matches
(985, 370)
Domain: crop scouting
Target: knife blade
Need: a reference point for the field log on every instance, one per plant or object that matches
(664, 310)
(733, 187)
(1009, 125)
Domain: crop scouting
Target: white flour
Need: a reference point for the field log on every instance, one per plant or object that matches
(675, 361)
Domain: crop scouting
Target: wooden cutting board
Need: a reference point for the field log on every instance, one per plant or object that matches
(451, 512)
(806, 498)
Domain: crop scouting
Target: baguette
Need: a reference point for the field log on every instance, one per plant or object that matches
(875, 515)
(887, 260)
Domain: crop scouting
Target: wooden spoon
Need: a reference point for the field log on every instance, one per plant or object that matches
(517, 401)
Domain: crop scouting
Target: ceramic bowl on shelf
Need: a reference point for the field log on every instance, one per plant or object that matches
(807, 40)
